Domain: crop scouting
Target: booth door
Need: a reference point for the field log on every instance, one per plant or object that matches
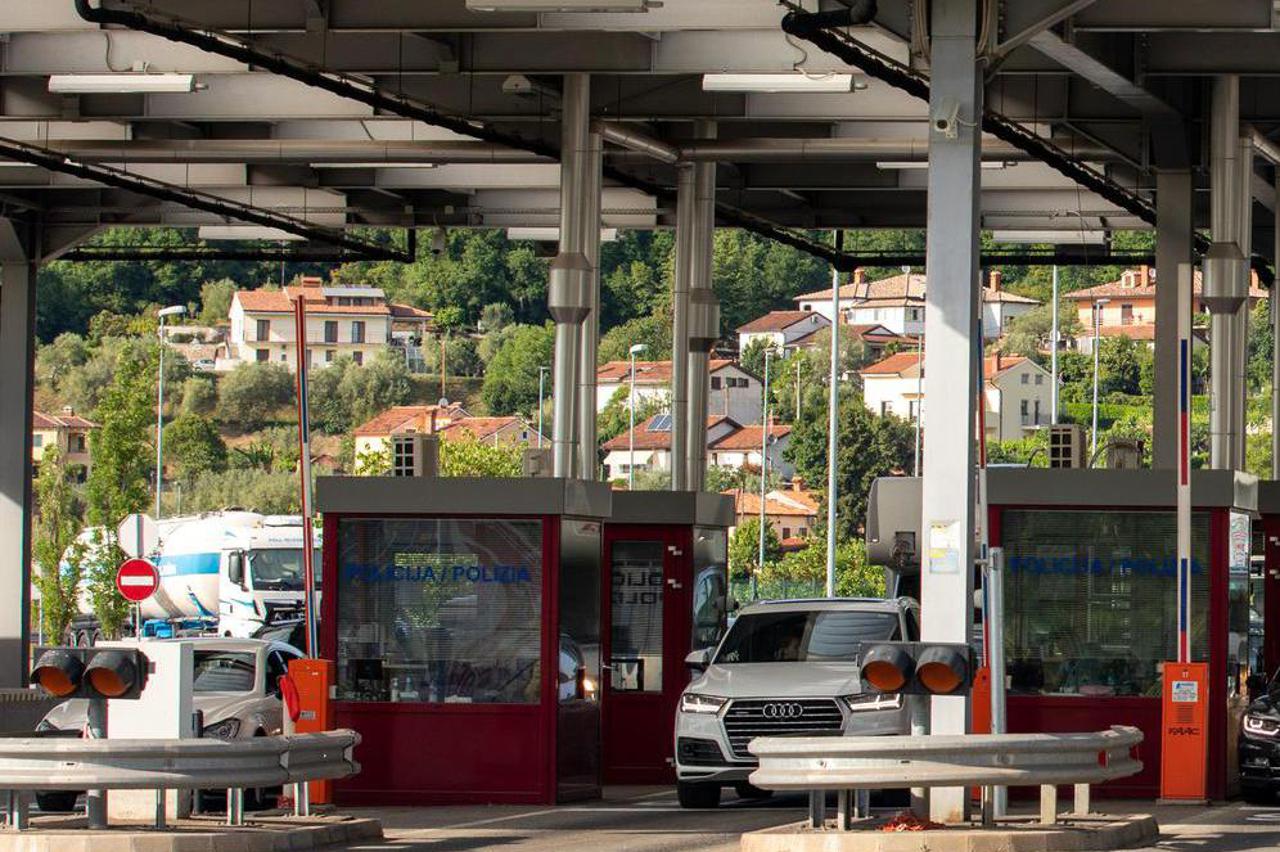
(648, 604)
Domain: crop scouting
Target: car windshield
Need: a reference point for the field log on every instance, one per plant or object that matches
(223, 671)
(804, 637)
(279, 569)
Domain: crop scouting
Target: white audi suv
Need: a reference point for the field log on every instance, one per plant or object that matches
(785, 668)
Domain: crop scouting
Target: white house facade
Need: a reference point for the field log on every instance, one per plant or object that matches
(734, 393)
(783, 330)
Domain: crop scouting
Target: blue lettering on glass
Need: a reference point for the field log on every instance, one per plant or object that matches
(503, 574)
(1117, 566)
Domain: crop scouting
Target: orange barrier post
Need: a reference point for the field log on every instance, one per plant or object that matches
(1185, 732)
(315, 680)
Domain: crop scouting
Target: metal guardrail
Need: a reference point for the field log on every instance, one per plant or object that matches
(32, 764)
(844, 764)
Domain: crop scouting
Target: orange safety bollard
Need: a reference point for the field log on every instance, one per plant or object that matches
(1185, 732)
(314, 680)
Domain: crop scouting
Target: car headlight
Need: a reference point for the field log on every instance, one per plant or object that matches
(691, 702)
(1261, 726)
(872, 701)
(224, 730)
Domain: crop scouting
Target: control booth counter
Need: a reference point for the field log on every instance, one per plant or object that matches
(665, 595)
(464, 618)
(1090, 604)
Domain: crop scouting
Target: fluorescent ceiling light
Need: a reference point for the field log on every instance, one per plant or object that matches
(903, 165)
(797, 82)
(552, 234)
(87, 84)
(244, 232)
(560, 5)
(373, 164)
(1064, 237)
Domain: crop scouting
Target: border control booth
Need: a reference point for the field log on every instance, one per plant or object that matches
(665, 594)
(1090, 597)
(464, 617)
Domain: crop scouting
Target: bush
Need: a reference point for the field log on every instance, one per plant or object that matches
(344, 395)
(199, 396)
(270, 493)
(251, 393)
(511, 379)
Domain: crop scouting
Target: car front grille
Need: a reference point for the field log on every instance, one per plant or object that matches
(749, 718)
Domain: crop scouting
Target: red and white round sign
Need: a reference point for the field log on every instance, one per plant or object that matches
(137, 579)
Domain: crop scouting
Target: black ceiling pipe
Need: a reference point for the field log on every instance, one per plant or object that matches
(347, 87)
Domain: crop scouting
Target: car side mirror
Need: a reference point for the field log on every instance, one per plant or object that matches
(235, 568)
(698, 660)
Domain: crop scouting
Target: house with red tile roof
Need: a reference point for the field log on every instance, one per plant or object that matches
(791, 511)
(355, 322)
(653, 444)
(898, 303)
(783, 329)
(1017, 390)
(1130, 306)
(735, 392)
(66, 431)
(448, 422)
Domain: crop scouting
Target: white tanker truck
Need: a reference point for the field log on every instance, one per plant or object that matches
(225, 573)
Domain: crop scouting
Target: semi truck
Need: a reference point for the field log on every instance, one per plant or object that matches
(223, 573)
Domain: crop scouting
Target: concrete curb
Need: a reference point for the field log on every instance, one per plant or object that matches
(1078, 834)
(270, 834)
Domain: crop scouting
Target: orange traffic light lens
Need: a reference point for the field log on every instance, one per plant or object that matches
(54, 681)
(107, 682)
(112, 674)
(884, 676)
(58, 672)
(939, 678)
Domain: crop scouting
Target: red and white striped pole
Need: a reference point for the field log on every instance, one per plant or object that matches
(304, 473)
(1184, 462)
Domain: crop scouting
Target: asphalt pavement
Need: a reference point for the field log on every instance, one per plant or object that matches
(648, 819)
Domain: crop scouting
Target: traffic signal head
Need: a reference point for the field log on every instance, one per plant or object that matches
(916, 668)
(90, 672)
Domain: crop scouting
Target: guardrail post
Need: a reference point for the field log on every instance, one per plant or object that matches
(96, 800)
(1048, 804)
(817, 808)
(16, 806)
(988, 806)
(918, 710)
(235, 806)
(1081, 805)
(844, 808)
(160, 815)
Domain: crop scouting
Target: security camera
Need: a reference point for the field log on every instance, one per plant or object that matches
(946, 119)
(438, 239)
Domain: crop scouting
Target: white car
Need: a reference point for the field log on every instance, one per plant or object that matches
(783, 668)
(235, 688)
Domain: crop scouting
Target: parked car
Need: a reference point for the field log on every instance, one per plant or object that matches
(783, 668)
(235, 688)
(1258, 747)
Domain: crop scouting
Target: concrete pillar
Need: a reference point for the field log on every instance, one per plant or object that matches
(588, 443)
(704, 315)
(568, 291)
(1173, 247)
(1224, 268)
(1239, 352)
(17, 363)
(952, 357)
(685, 193)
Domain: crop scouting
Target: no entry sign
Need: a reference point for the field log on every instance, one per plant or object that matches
(137, 580)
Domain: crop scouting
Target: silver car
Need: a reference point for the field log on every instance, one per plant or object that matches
(236, 689)
(783, 668)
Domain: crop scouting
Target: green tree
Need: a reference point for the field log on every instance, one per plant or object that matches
(270, 493)
(1029, 334)
(215, 300)
(374, 462)
(252, 393)
(744, 547)
(808, 567)
(470, 457)
(653, 330)
(57, 524)
(511, 380)
(869, 447)
(1121, 364)
(199, 396)
(193, 446)
(615, 418)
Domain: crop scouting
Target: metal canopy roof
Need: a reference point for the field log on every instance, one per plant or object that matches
(1111, 83)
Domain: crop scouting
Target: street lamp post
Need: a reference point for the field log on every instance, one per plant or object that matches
(1097, 322)
(1053, 353)
(542, 375)
(764, 470)
(171, 311)
(635, 350)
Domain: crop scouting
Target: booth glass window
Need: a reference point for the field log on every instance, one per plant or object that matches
(710, 586)
(439, 610)
(1090, 599)
(636, 615)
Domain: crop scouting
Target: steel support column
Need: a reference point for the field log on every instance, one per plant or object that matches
(17, 363)
(1275, 347)
(588, 449)
(1224, 268)
(685, 193)
(568, 296)
(1173, 247)
(704, 315)
(952, 357)
(1239, 353)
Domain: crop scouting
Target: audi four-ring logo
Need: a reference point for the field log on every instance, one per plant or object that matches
(781, 710)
